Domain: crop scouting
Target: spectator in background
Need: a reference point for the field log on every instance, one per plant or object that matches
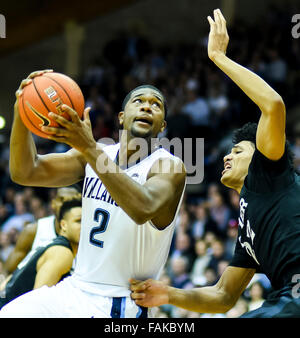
(100, 129)
(256, 296)
(20, 217)
(184, 248)
(182, 313)
(222, 265)
(276, 68)
(210, 277)
(203, 222)
(232, 233)
(96, 102)
(178, 123)
(4, 214)
(3, 274)
(218, 255)
(6, 246)
(212, 189)
(218, 104)
(198, 111)
(200, 263)
(36, 207)
(183, 219)
(94, 74)
(257, 64)
(239, 308)
(276, 71)
(179, 274)
(210, 238)
(220, 213)
(8, 199)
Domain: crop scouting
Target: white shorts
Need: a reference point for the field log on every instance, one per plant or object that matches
(64, 300)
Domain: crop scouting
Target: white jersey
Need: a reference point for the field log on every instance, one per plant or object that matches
(45, 232)
(112, 247)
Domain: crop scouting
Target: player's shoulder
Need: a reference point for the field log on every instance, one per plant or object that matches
(110, 147)
(107, 145)
(59, 248)
(46, 220)
(166, 157)
(166, 163)
(265, 175)
(56, 257)
(263, 163)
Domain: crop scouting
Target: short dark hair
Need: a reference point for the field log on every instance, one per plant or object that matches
(67, 206)
(128, 96)
(248, 133)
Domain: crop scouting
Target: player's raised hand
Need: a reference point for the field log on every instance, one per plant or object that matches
(29, 78)
(218, 37)
(76, 133)
(25, 83)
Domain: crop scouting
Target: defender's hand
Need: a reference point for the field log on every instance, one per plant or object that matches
(149, 293)
(218, 37)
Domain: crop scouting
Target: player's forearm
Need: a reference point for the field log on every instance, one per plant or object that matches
(128, 194)
(208, 299)
(23, 152)
(13, 260)
(266, 98)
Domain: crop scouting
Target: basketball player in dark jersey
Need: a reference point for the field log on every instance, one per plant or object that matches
(260, 168)
(49, 264)
(43, 231)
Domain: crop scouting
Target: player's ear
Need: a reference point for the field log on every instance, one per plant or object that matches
(63, 225)
(163, 125)
(121, 117)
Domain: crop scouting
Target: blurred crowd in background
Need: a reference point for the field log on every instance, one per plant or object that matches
(202, 102)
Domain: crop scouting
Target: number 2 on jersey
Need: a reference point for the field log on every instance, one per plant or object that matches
(103, 221)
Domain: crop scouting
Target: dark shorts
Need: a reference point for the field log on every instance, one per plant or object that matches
(280, 304)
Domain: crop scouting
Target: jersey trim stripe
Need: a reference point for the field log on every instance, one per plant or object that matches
(118, 307)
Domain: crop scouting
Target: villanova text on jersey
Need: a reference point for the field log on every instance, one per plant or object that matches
(94, 188)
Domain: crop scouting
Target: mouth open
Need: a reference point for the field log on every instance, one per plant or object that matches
(227, 167)
(144, 120)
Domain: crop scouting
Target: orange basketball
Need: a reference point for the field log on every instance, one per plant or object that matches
(46, 94)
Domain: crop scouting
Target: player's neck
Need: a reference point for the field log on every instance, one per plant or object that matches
(132, 150)
(74, 247)
(56, 226)
(237, 187)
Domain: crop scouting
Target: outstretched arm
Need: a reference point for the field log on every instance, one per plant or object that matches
(211, 299)
(270, 139)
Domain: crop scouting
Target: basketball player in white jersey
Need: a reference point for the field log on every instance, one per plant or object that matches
(40, 233)
(128, 210)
